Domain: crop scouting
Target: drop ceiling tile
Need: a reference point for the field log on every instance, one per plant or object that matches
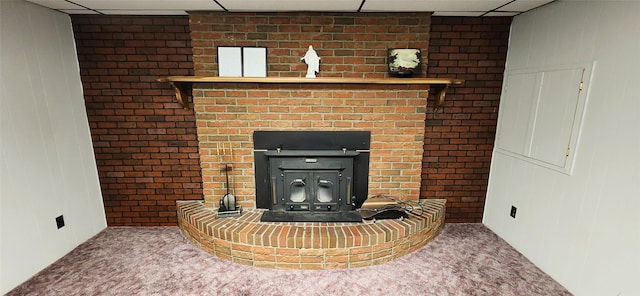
(160, 5)
(502, 13)
(524, 5)
(432, 5)
(78, 11)
(458, 13)
(291, 5)
(56, 4)
(143, 12)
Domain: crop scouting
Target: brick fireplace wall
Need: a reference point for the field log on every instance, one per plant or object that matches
(118, 73)
(350, 45)
(145, 144)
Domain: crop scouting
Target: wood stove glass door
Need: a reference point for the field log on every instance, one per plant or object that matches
(326, 187)
(316, 190)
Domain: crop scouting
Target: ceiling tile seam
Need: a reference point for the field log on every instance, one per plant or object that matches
(221, 6)
(495, 9)
(361, 5)
(87, 8)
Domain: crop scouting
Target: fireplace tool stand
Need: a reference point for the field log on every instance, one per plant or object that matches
(228, 206)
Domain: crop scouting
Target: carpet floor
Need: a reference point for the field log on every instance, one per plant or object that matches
(465, 259)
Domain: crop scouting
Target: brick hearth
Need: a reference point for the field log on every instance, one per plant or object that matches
(248, 241)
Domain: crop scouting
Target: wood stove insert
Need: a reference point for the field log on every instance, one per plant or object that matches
(311, 176)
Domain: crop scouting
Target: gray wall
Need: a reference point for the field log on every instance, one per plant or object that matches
(48, 168)
(579, 226)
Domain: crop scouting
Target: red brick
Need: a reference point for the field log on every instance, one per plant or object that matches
(151, 41)
(451, 177)
(161, 46)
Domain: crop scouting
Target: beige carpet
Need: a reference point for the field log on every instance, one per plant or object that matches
(465, 259)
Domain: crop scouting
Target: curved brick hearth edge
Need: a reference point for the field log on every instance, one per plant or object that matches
(246, 240)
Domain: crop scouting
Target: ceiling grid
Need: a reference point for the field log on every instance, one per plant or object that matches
(182, 7)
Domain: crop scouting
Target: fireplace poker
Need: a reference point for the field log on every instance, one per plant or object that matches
(228, 206)
(228, 199)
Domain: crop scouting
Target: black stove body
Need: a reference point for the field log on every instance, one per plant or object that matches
(311, 175)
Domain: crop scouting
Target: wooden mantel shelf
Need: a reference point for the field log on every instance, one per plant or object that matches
(181, 83)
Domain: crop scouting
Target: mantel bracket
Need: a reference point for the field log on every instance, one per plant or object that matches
(183, 90)
(440, 93)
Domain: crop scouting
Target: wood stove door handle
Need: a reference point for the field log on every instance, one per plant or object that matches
(299, 182)
(325, 183)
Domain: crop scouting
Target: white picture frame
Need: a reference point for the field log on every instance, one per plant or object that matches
(240, 61)
(229, 61)
(254, 61)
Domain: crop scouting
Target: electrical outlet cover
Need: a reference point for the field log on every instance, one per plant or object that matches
(60, 221)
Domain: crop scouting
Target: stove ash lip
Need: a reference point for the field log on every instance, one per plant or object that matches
(311, 154)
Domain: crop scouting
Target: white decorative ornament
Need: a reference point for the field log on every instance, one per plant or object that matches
(312, 60)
